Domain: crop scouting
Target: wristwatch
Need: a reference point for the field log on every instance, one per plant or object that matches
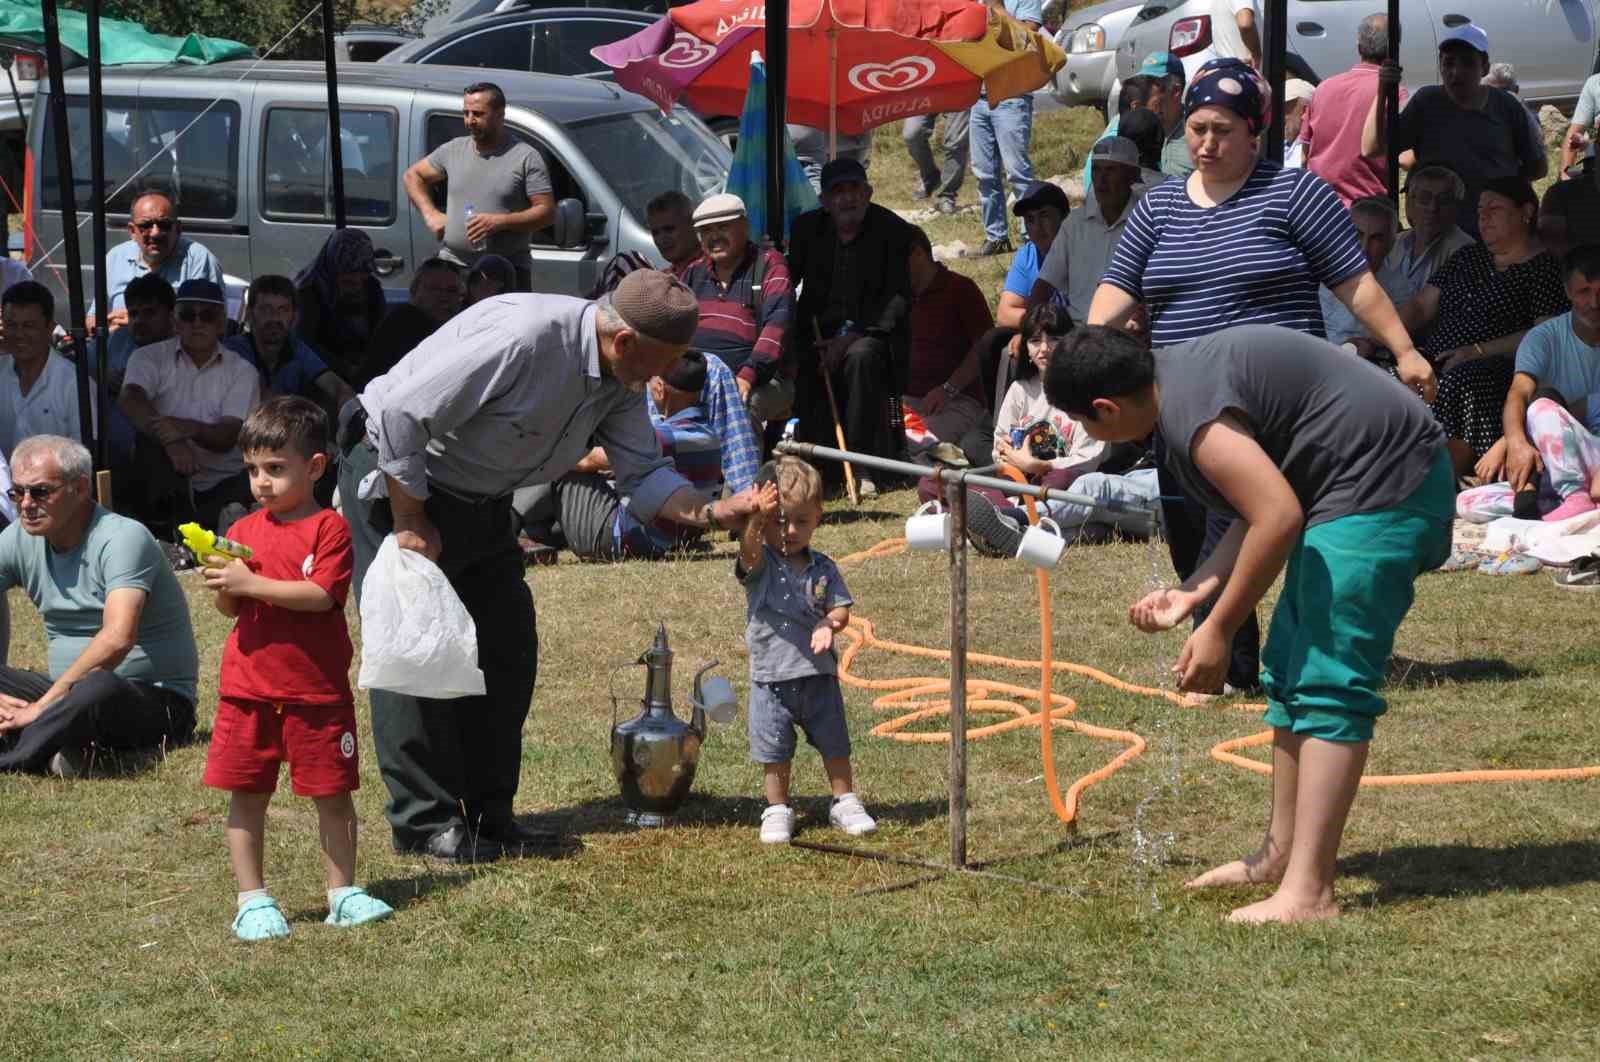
(950, 389)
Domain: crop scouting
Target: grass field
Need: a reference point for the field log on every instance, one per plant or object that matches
(1471, 910)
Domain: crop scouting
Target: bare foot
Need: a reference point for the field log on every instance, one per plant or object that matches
(1253, 870)
(1279, 908)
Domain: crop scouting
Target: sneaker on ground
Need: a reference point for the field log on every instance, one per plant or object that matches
(948, 206)
(848, 814)
(777, 824)
(991, 533)
(994, 247)
(356, 907)
(866, 488)
(1583, 575)
(921, 193)
(260, 919)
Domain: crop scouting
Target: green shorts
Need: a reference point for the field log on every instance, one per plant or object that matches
(1348, 586)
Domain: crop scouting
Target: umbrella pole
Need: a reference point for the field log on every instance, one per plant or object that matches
(1276, 47)
(1391, 103)
(97, 188)
(69, 215)
(777, 53)
(833, 95)
(335, 147)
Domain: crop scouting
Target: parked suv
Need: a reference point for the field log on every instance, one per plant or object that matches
(549, 40)
(1551, 44)
(242, 148)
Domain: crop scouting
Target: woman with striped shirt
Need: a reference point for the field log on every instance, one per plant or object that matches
(1241, 241)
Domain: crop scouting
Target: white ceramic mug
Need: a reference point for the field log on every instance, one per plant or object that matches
(928, 530)
(718, 699)
(1041, 548)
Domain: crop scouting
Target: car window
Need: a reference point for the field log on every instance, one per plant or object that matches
(561, 46)
(500, 48)
(444, 127)
(647, 153)
(186, 148)
(296, 172)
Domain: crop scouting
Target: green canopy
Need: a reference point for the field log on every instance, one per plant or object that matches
(120, 42)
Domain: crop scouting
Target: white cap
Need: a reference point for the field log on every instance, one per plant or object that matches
(1297, 89)
(1469, 34)
(724, 206)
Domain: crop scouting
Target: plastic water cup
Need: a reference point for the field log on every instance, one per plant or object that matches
(1041, 548)
(928, 528)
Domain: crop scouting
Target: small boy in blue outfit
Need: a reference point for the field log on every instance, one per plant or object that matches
(796, 601)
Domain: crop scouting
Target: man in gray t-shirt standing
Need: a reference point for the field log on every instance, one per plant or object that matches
(493, 176)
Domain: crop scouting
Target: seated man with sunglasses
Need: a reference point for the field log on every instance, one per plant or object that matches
(122, 661)
(158, 246)
(187, 398)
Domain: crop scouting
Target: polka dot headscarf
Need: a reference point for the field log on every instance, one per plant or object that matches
(1233, 84)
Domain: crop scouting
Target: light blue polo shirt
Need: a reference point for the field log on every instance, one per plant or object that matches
(1553, 354)
(188, 261)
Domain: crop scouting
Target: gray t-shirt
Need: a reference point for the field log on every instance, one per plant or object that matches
(1478, 145)
(70, 591)
(502, 182)
(784, 606)
(1347, 436)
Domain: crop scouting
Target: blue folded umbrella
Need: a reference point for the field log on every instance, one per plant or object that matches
(748, 177)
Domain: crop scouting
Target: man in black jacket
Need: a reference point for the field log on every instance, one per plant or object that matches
(853, 318)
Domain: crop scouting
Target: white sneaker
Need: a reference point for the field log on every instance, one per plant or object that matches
(777, 824)
(69, 763)
(848, 814)
(865, 488)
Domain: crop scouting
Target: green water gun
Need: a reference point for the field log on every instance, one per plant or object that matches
(203, 544)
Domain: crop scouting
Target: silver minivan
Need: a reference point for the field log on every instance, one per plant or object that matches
(242, 148)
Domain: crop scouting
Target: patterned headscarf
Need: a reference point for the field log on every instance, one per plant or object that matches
(346, 251)
(1235, 85)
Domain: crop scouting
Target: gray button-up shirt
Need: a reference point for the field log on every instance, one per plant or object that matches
(783, 606)
(508, 393)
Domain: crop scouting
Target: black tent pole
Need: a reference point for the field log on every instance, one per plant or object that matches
(335, 148)
(1391, 103)
(1276, 47)
(97, 188)
(69, 215)
(777, 87)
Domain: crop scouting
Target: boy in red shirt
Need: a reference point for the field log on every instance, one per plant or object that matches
(285, 687)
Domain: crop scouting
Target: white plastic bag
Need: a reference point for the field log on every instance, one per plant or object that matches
(416, 635)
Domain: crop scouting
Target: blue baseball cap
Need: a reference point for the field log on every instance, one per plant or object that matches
(1162, 64)
(198, 290)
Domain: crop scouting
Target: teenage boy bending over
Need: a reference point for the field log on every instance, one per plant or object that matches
(1330, 466)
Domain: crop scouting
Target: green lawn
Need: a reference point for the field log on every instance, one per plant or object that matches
(1471, 910)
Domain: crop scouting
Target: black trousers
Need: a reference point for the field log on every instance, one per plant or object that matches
(103, 710)
(454, 762)
(862, 383)
(1192, 535)
(160, 497)
(993, 348)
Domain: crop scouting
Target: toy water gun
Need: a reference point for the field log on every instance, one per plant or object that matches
(203, 544)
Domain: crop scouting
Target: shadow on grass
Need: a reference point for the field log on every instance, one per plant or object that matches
(611, 815)
(1463, 870)
(843, 517)
(400, 893)
(1405, 673)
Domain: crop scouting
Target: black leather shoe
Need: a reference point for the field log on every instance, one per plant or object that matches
(518, 841)
(455, 845)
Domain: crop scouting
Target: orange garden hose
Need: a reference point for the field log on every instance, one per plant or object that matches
(922, 693)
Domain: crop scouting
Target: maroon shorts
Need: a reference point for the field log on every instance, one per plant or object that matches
(251, 739)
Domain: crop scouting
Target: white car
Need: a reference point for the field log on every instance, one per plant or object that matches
(1090, 36)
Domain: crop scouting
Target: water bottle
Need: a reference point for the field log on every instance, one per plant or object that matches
(476, 245)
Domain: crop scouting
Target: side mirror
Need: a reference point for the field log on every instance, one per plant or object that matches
(570, 224)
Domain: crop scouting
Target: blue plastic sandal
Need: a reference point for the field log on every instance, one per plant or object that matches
(260, 919)
(1510, 564)
(1461, 560)
(356, 908)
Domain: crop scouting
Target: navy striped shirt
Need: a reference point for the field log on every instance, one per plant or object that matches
(1255, 259)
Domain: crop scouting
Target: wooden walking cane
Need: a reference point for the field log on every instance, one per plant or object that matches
(838, 429)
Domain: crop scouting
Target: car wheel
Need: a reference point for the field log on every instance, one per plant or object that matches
(727, 130)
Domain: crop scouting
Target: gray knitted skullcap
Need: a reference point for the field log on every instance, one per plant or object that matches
(657, 306)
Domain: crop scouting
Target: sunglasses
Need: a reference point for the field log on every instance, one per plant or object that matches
(39, 492)
(205, 316)
(163, 224)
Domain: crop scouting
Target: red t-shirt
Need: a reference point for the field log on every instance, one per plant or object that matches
(278, 655)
